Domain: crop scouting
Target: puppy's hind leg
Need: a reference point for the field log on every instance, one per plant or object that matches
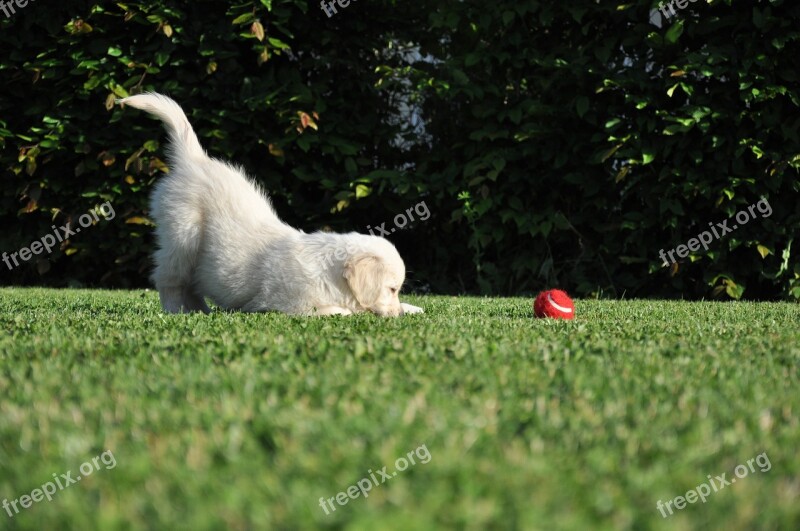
(171, 299)
(175, 262)
(194, 302)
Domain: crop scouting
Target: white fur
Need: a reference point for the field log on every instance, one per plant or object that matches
(219, 237)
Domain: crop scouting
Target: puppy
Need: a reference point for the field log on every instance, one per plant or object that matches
(219, 237)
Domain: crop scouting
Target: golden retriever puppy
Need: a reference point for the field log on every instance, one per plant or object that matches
(219, 238)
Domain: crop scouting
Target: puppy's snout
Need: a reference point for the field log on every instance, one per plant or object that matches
(390, 312)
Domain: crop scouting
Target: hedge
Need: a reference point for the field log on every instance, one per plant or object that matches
(554, 143)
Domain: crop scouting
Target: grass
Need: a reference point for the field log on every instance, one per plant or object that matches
(241, 421)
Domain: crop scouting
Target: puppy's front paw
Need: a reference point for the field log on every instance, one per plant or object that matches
(408, 308)
(331, 310)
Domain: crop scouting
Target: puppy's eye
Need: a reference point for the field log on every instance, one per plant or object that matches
(393, 290)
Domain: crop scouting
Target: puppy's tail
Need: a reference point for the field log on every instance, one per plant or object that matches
(182, 136)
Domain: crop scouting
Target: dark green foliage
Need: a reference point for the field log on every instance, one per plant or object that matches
(564, 143)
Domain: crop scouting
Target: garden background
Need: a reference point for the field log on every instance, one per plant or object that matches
(555, 143)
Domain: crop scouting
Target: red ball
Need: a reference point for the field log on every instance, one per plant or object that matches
(554, 303)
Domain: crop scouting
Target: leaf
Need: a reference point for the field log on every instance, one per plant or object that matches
(30, 166)
(303, 143)
(582, 106)
(763, 251)
(362, 191)
(671, 90)
(30, 207)
(622, 173)
(119, 90)
(107, 158)
(258, 30)
(158, 164)
(608, 154)
(279, 44)
(77, 26)
(133, 158)
(244, 19)
(674, 32)
(734, 291)
(139, 220)
(307, 121)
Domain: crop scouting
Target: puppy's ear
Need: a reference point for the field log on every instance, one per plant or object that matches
(364, 273)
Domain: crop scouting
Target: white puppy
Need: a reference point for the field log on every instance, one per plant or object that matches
(219, 237)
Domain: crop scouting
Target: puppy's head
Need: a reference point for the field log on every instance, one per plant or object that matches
(375, 276)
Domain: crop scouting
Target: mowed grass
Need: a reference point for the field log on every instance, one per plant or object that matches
(243, 421)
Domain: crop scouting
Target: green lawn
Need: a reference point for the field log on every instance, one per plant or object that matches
(242, 421)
